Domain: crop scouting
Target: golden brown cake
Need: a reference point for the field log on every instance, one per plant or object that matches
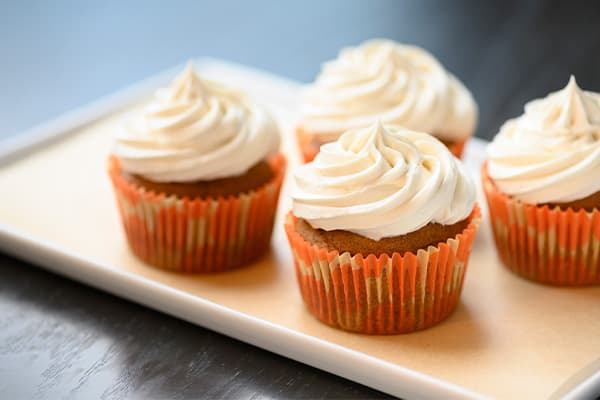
(345, 241)
(257, 176)
(588, 203)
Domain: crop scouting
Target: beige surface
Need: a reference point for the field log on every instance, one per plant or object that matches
(508, 339)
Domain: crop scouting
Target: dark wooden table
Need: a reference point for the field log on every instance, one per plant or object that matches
(59, 339)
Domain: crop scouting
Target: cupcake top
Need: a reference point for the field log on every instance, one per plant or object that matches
(196, 130)
(402, 85)
(551, 153)
(382, 181)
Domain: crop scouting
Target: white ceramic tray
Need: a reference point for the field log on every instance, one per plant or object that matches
(509, 338)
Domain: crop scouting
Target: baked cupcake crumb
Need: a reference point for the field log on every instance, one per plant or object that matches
(343, 241)
(258, 175)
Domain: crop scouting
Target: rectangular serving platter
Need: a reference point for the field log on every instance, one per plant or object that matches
(509, 338)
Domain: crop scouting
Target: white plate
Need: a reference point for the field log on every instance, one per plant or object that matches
(508, 337)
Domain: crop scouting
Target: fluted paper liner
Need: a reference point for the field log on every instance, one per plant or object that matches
(457, 148)
(200, 234)
(393, 294)
(309, 148)
(543, 244)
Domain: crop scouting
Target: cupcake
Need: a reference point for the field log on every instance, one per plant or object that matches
(381, 229)
(542, 183)
(197, 176)
(401, 85)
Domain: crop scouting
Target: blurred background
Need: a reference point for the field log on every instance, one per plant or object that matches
(59, 339)
(59, 55)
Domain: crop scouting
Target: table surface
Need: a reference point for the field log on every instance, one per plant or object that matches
(60, 339)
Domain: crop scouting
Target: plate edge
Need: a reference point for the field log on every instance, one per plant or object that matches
(64, 125)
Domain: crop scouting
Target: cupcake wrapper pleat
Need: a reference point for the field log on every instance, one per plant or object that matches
(309, 148)
(197, 235)
(386, 294)
(457, 148)
(543, 244)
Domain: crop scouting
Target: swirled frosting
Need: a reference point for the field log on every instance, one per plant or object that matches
(196, 130)
(402, 85)
(382, 181)
(551, 153)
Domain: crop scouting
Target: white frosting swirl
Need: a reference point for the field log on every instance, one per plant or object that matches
(551, 153)
(196, 130)
(382, 182)
(401, 85)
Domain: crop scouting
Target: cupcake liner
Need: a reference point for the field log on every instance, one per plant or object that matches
(393, 294)
(200, 234)
(309, 147)
(543, 244)
(457, 148)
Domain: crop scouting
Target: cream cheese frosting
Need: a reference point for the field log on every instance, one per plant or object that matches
(400, 84)
(196, 130)
(382, 181)
(551, 153)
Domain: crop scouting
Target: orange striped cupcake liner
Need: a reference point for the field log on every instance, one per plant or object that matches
(543, 244)
(309, 148)
(200, 234)
(393, 294)
(457, 148)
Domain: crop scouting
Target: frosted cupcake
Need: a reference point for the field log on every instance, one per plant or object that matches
(197, 176)
(542, 182)
(381, 230)
(400, 84)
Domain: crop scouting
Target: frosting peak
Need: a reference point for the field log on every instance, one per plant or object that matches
(196, 130)
(570, 111)
(382, 181)
(551, 153)
(186, 87)
(400, 84)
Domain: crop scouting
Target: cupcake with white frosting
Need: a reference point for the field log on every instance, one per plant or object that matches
(381, 229)
(399, 84)
(542, 182)
(197, 176)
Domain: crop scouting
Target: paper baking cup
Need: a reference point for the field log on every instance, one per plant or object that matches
(543, 244)
(457, 148)
(393, 294)
(309, 148)
(200, 234)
